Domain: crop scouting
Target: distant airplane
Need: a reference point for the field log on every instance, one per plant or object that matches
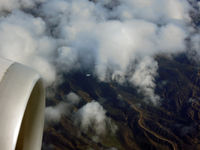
(22, 103)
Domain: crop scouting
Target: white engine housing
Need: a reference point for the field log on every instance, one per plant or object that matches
(22, 103)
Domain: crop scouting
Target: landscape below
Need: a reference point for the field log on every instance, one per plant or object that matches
(173, 124)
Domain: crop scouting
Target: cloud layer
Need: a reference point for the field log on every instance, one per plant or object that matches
(116, 40)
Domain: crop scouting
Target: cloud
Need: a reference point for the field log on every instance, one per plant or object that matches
(10, 5)
(158, 11)
(92, 116)
(73, 98)
(23, 39)
(113, 44)
(53, 114)
(105, 37)
(171, 38)
(143, 77)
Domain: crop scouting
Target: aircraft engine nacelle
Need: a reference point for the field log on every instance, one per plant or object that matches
(22, 103)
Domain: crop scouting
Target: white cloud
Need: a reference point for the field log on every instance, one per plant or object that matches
(53, 114)
(171, 38)
(10, 5)
(23, 40)
(63, 35)
(143, 78)
(93, 116)
(73, 98)
(153, 10)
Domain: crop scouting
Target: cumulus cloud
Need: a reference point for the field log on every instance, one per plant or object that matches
(73, 98)
(94, 37)
(171, 38)
(10, 5)
(105, 36)
(92, 116)
(152, 10)
(23, 40)
(143, 77)
(53, 114)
